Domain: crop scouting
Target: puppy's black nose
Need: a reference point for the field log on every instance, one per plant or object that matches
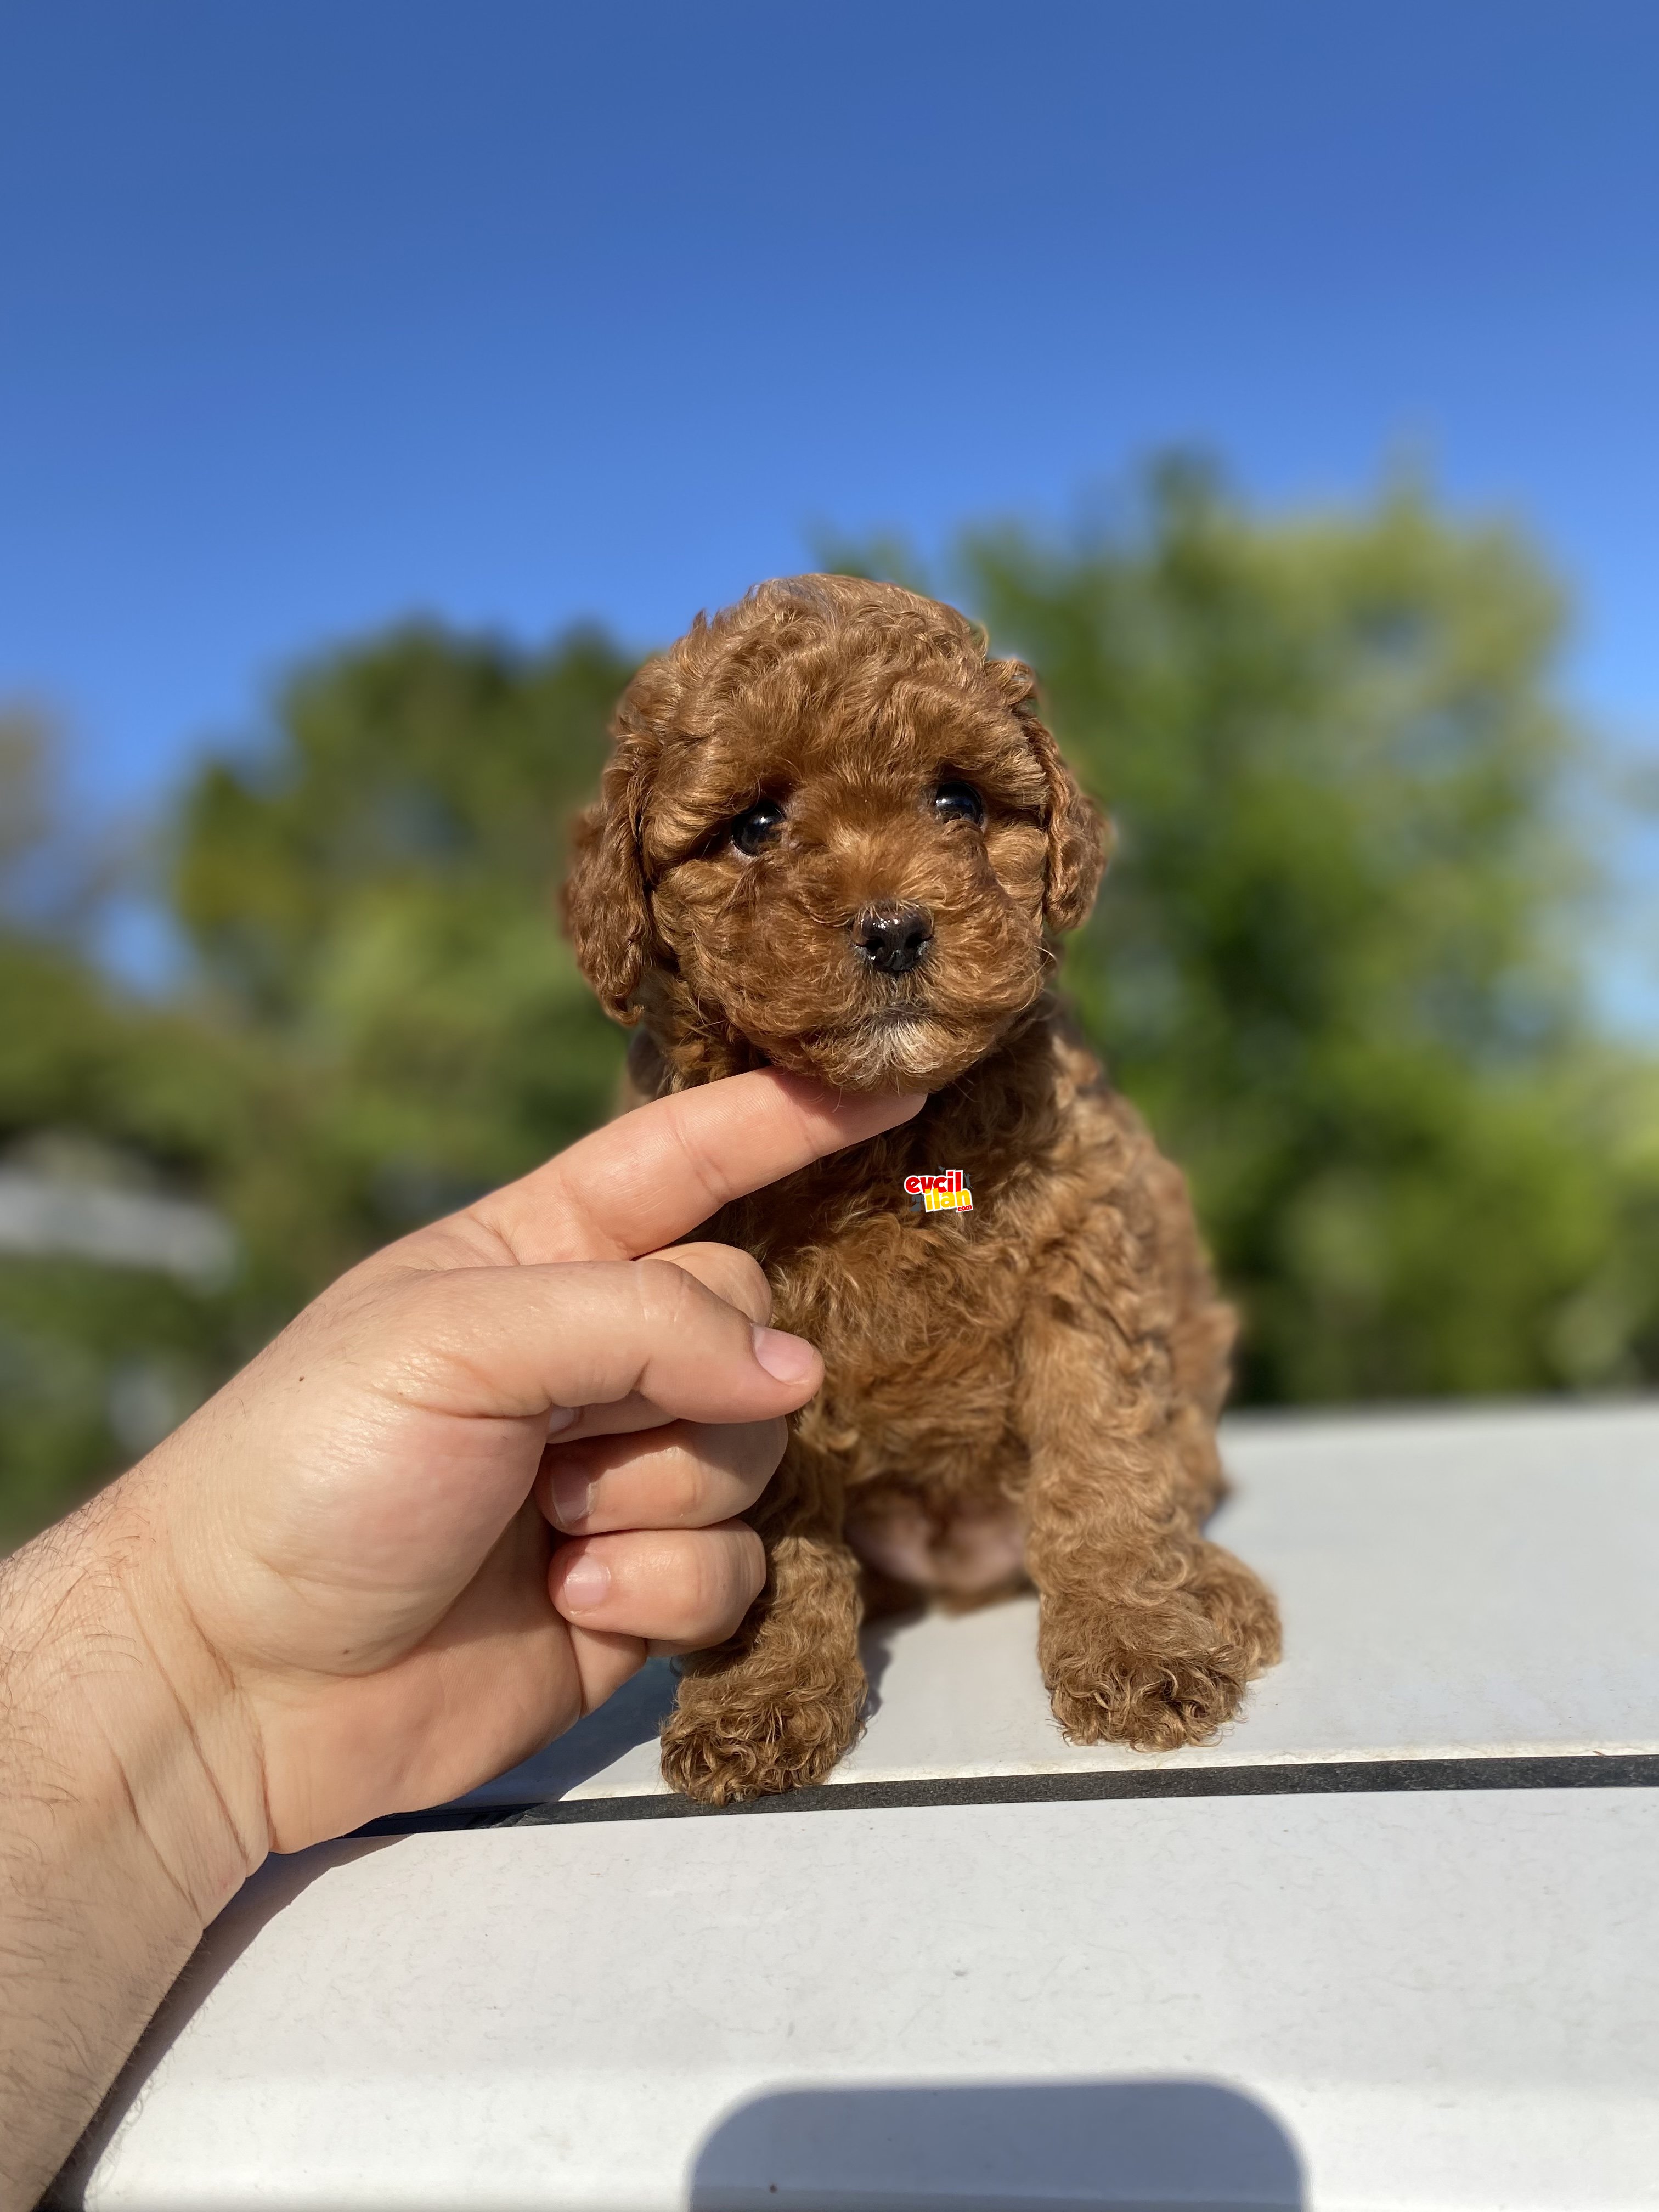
(893, 937)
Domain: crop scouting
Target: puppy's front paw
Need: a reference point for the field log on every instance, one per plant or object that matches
(1151, 1705)
(1157, 1676)
(720, 1750)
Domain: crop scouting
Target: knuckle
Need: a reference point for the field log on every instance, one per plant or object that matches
(751, 1560)
(660, 1279)
(683, 1488)
(665, 1294)
(753, 1292)
(735, 1276)
(722, 1578)
(753, 1450)
(770, 1441)
(727, 1584)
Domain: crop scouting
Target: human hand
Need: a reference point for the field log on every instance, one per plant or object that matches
(349, 1563)
(346, 1587)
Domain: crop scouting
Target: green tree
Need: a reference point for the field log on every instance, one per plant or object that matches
(383, 1021)
(1338, 961)
(371, 895)
(95, 1360)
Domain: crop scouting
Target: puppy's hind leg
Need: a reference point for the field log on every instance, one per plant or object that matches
(775, 1706)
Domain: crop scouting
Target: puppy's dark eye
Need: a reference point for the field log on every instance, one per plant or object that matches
(959, 802)
(750, 831)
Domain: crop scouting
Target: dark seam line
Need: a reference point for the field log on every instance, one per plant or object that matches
(1336, 1777)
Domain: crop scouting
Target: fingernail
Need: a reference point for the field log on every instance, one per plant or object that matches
(790, 1359)
(586, 1585)
(560, 1417)
(573, 1496)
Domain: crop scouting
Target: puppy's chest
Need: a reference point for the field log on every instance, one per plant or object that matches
(918, 1318)
(908, 1295)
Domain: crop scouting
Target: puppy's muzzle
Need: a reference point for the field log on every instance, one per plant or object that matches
(893, 938)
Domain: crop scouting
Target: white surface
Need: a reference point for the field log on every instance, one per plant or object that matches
(1432, 2000)
(1452, 1584)
(1425, 2000)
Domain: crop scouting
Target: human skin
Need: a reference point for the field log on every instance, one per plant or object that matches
(454, 1505)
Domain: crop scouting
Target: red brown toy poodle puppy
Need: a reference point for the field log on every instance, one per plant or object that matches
(834, 837)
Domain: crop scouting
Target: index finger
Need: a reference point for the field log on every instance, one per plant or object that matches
(652, 1174)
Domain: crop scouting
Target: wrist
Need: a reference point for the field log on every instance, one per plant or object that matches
(127, 1818)
(121, 1719)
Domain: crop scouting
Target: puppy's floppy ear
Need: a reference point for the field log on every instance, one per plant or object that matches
(605, 901)
(1080, 836)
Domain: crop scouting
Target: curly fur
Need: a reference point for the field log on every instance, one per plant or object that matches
(1027, 1389)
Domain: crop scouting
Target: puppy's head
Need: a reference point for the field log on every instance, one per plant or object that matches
(832, 831)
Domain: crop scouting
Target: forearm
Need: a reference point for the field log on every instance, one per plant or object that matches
(117, 1840)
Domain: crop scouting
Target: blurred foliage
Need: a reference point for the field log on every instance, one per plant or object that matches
(384, 1021)
(1338, 961)
(373, 901)
(151, 1099)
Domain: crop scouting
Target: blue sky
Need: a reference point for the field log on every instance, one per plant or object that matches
(312, 315)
